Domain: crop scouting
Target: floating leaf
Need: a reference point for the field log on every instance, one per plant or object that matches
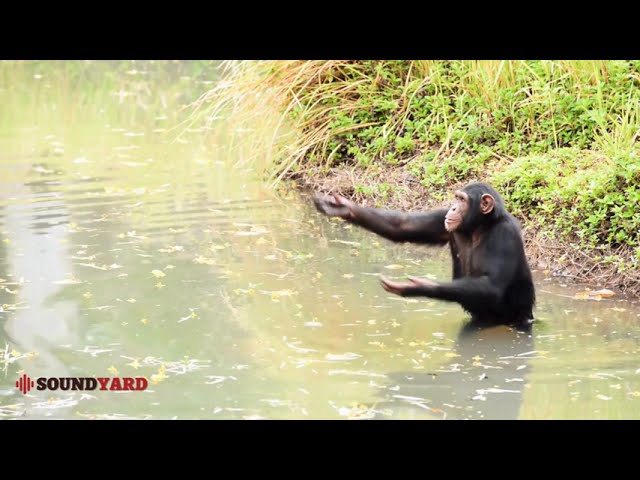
(113, 370)
(204, 260)
(594, 294)
(345, 242)
(160, 376)
(158, 273)
(135, 364)
(604, 293)
(394, 266)
(172, 249)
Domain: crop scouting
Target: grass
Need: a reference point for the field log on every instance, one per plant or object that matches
(558, 138)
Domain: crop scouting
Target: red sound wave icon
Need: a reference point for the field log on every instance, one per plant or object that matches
(25, 384)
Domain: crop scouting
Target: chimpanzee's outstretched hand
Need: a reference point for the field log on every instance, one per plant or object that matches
(334, 205)
(415, 286)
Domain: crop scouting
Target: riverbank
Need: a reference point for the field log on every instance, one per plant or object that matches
(546, 251)
(558, 139)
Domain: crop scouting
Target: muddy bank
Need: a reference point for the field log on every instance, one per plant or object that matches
(401, 190)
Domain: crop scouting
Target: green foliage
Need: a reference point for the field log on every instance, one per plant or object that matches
(559, 138)
(582, 194)
(540, 105)
(534, 124)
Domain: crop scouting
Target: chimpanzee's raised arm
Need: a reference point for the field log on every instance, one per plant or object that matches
(420, 227)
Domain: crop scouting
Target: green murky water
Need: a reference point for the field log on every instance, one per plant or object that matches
(126, 254)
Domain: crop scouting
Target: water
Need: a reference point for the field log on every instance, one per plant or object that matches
(124, 254)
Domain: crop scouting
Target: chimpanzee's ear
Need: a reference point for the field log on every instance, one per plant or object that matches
(486, 204)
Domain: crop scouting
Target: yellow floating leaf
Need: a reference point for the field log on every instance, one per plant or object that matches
(160, 376)
(204, 260)
(87, 295)
(451, 355)
(285, 293)
(604, 293)
(131, 300)
(158, 273)
(113, 370)
(135, 364)
(348, 275)
(318, 274)
(144, 321)
(160, 285)
(394, 266)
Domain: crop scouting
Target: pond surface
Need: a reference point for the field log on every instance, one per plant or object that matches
(124, 253)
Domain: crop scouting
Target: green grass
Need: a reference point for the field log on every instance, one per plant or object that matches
(558, 138)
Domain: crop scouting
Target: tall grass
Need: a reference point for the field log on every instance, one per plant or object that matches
(302, 113)
(560, 138)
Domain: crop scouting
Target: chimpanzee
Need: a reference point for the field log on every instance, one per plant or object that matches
(491, 278)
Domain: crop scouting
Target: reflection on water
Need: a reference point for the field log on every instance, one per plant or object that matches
(38, 258)
(123, 253)
(485, 379)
